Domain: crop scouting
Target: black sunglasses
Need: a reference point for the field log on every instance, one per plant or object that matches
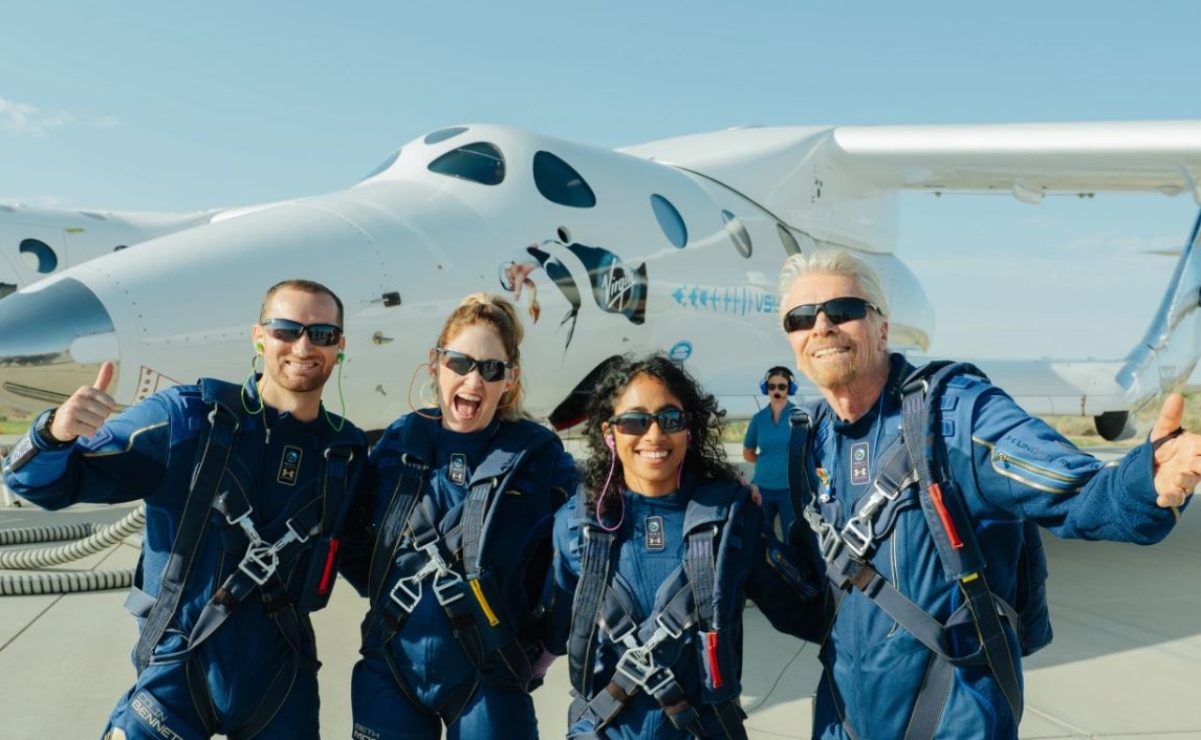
(286, 330)
(837, 310)
(639, 422)
(490, 370)
(777, 386)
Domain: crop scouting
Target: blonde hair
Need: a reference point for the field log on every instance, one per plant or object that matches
(497, 312)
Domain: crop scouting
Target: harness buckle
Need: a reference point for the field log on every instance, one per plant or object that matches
(443, 586)
(407, 591)
(858, 535)
(260, 562)
(829, 543)
(638, 665)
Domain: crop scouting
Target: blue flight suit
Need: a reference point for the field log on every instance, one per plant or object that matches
(757, 567)
(412, 680)
(149, 452)
(771, 467)
(1011, 467)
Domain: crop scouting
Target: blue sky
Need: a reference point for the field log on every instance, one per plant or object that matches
(149, 106)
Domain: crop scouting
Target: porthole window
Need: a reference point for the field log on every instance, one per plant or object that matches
(39, 256)
(560, 183)
(670, 221)
(738, 233)
(480, 162)
(443, 134)
(787, 239)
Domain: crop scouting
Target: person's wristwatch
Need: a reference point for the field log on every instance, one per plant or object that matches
(46, 437)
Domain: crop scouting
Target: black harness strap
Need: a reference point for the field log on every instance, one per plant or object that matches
(456, 563)
(848, 551)
(655, 644)
(955, 538)
(210, 466)
(274, 554)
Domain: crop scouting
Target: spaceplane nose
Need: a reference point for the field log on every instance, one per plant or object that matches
(53, 340)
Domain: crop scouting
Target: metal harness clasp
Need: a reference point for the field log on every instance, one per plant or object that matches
(638, 664)
(407, 591)
(262, 559)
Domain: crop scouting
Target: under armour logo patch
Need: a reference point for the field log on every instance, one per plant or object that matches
(654, 533)
(289, 465)
(860, 463)
(457, 471)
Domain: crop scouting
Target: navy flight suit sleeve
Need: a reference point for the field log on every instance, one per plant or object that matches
(124, 461)
(564, 577)
(359, 534)
(784, 587)
(1024, 469)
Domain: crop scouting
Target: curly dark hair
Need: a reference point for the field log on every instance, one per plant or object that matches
(705, 457)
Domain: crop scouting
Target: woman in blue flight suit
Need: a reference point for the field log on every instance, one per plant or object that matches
(463, 498)
(654, 560)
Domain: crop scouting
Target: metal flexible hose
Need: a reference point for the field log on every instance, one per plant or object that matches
(60, 582)
(104, 537)
(57, 533)
(96, 538)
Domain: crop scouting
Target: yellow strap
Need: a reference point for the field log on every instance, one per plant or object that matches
(970, 577)
(479, 596)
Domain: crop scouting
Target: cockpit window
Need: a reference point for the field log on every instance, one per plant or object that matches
(388, 162)
(480, 162)
(39, 255)
(443, 134)
(670, 221)
(560, 183)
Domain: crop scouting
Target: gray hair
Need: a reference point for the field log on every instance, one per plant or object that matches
(832, 262)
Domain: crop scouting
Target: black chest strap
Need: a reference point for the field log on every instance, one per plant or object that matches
(211, 460)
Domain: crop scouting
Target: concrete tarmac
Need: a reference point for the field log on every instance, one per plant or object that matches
(1125, 663)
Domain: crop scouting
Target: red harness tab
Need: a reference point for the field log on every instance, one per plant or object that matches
(711, 655)
(945, 516)
(327, 578)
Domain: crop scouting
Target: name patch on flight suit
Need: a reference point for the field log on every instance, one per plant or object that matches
(289, 465)
(860, 463)
(654, 533)
(457, 470)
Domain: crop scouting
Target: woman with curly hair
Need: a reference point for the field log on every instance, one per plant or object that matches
(654, 560)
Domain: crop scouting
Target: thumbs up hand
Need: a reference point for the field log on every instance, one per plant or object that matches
(86, 410)
(1177, 454)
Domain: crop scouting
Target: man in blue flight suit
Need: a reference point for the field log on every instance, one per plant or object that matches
(245, 490)
(1010, 469)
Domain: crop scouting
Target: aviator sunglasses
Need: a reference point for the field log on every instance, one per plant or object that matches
(837, 310)
(286, 330)
(490, 370)
(639, 422)
(777, 386)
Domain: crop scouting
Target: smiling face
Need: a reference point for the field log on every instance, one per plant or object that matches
(469, 402)
(838, 357)
(294, 373)
(649, 461)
